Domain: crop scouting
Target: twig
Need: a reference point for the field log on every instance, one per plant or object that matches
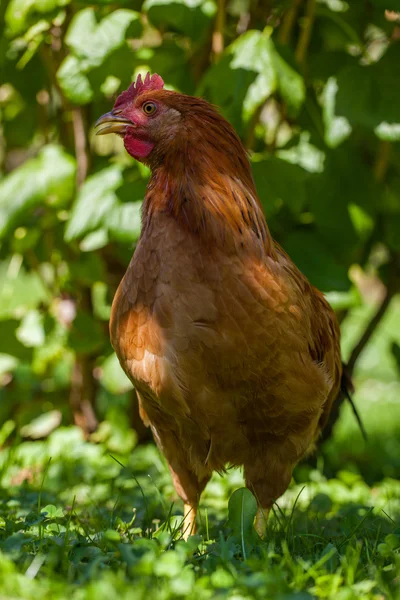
(251, 132)
(372, 325)
(218, 35)
(382, 161)
(82, 157)
(288, 22)
(305, 35)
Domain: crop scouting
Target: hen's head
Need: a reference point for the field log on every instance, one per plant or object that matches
(163, 127)
(142, 117)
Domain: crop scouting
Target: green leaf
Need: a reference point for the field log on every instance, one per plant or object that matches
(242, 510)
(19, 291)
(291, 84)
(95, 201)
(92, 41)
(279, 183)
(91, 44)
(249, 72)
(48, 177)
(52, 512)
(125, 222)
(316, 261)
(169, 564)
(337, 128)
(86, 335)
(87, 270)
(73, 82)
(10, 345)
(21, 13)
(170, 59)
(363, 96)
(190, 17)
(304, 154)
(253, 51)
(41, 427)
(113, 377)
(392, 231)
(94, 240)
(389, 132)
(31, 331)
(332, 196)
(387, 4)
(7, 364)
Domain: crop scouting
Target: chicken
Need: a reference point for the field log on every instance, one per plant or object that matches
(234, 355)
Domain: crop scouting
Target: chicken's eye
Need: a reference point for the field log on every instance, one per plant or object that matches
(149, 108)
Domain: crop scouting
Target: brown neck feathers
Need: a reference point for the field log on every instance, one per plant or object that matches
(204, 181)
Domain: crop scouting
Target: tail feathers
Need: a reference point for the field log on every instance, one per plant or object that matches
(346, 387)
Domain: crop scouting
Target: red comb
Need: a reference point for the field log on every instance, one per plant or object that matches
(151, 82)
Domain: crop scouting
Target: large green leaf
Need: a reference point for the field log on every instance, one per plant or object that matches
(337, 127)
(10, 344)
(21, 13)
(170, 59)
(48, 177)
(92, 41)
(73, 81)
(364, 96)
(280, 183)
(315, 260)
(113, 377)
(91, 44)
(387, 4)
(190, 17)
(125, 222)
(242, 511)
(249, 72)
(19, 291)
(86, 334)
(95, 201)
(291, 84)
(337, 197)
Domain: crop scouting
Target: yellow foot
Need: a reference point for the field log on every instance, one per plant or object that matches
(260, 523)
(189, 521)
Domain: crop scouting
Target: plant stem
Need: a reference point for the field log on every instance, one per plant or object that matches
(288, 22)
(305, 35)
(82, 157)
(370, 329)
(382, 161)
(218, 35)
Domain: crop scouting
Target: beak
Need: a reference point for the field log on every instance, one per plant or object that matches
(113, 123)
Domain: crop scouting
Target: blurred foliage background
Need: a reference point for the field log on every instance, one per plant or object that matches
(312, 87)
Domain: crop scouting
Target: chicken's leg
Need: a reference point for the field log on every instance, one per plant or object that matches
(267, 478)
(187, 484)
(189, 526)
(260, 522)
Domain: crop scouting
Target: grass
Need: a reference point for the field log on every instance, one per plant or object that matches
(68, 530)
(82, 520)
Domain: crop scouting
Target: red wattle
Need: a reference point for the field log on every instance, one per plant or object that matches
(137, 148)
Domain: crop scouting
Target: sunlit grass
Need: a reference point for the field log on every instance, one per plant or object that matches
(92, 520)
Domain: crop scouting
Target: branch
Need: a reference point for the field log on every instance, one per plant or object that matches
(288, 22)
(82, 157)
(305, 35)
(370, 329)
(218, 35)
(382, 161)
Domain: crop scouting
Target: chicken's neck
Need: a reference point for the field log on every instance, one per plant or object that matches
(212, 195)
